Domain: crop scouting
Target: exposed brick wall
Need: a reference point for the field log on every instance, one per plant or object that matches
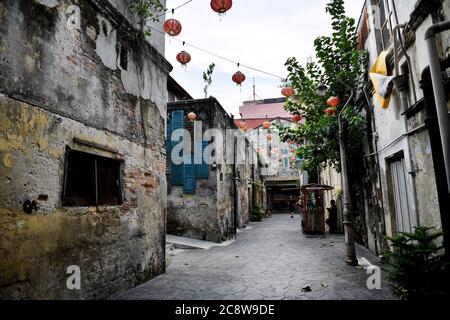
(58, 84)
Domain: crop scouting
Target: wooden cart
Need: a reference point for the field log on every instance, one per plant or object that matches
(313, 208)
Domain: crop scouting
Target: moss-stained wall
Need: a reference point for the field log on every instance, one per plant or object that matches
(59, 86)
(197, 215)
(207, 213)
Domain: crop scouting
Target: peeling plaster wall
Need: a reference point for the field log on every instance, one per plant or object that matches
(156, 39)
(194, 216)
(428, 205)
(242, 184)
(197, 215)
(390, 128)
(59, 82)
(207, 213)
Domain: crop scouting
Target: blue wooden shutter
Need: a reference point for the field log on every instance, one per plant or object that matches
(177, 120)
(176, 171)
(203, 168)
(190, 180)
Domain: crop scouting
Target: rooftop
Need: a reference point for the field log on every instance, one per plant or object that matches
(264, 109)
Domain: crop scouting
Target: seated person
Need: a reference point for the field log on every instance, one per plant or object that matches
(332, 221)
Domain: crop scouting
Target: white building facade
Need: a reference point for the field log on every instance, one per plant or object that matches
(403, 185)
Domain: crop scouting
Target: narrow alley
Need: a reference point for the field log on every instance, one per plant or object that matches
(270, 260)
(160, 150)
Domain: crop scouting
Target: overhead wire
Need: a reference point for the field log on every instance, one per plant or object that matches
(168, 10)
(219, 56)
(207, 51)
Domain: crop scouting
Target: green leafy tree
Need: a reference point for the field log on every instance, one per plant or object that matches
(416, 267)
(207, 78)
(145, 10)
(337, 65)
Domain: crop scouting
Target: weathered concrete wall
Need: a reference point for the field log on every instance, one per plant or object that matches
(243, 200)
(195, 215)
(209, 212)
(156, 39)
(392, 125)
(260, 193)
(244, 177)
(59, 82)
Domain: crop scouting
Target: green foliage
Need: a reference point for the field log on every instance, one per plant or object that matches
(337, 65)
(415, 267)
(207, 78)
(146, 10)
(257, 214)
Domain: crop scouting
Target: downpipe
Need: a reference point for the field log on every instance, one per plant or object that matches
(439, 91)
(441, 107)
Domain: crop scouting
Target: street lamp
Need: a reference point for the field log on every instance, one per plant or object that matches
(348, 218)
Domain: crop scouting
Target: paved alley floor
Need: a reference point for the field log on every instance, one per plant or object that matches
(272, 260)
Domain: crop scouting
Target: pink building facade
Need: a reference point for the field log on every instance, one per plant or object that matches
(254, 113)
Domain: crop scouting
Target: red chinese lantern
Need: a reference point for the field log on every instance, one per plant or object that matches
(243, 126)
(192, 116)
(238, 77)
(172, 27)
(184, 58)
(334, 102)
(330, 111)
(266, 124)
(221, 6)
(296, 118)
(287, 92)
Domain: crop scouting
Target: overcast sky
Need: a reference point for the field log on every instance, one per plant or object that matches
(259, 33)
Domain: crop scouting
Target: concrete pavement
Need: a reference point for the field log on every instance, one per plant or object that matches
(272, 260)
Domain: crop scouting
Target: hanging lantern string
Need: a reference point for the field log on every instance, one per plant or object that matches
(221, 57)
(168, 10)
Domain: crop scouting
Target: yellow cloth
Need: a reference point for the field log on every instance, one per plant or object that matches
(381, 81)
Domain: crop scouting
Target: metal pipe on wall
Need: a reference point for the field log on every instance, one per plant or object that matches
(437, 154)
(439, 92)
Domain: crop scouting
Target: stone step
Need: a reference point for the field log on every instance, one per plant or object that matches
(188, 243)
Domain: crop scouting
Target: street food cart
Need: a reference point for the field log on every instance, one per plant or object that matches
(312, 206)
